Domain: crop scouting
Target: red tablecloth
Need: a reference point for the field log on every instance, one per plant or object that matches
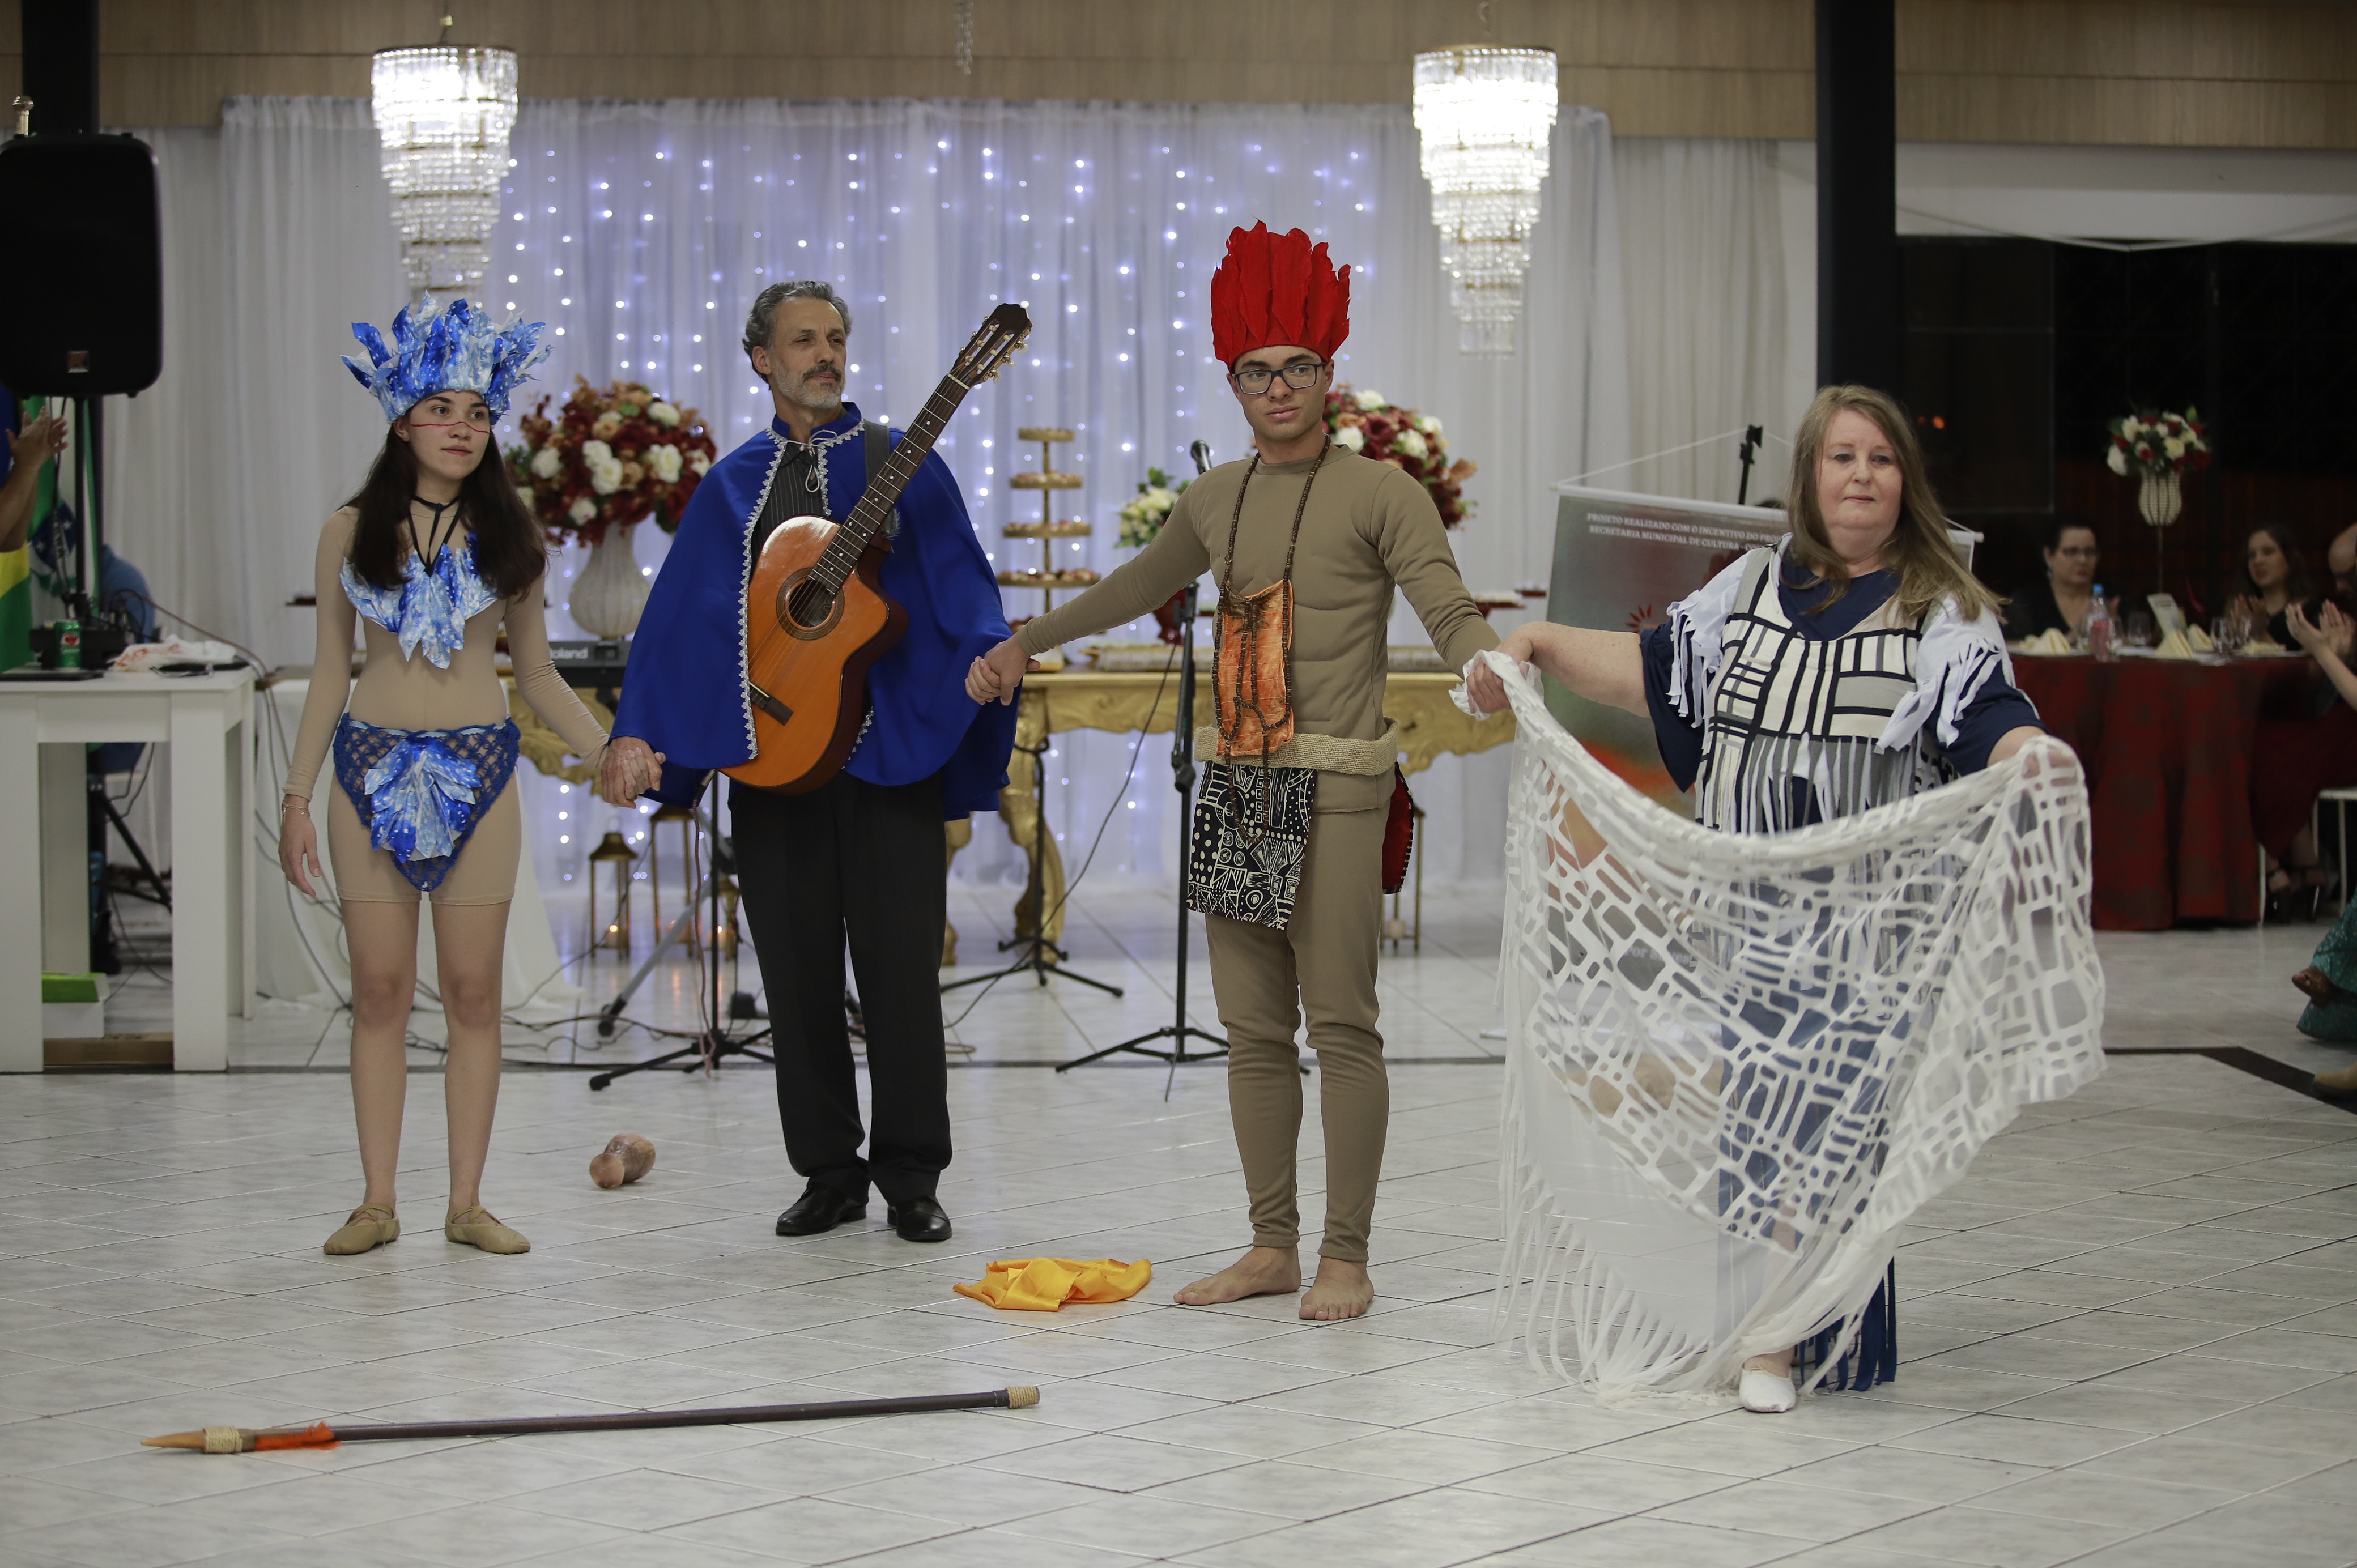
(2167, 746)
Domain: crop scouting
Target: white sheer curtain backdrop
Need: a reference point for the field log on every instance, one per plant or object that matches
(1107, 221)
(277, 237)
(639, 232)
(1702, 245)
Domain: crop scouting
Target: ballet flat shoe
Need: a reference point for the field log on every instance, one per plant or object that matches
(475, 1227)
(1768, 1393)
(372, 1225)
(2342, 1081)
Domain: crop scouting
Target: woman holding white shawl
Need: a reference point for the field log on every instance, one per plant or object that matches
(1743, 1065)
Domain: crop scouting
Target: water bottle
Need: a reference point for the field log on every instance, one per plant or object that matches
(2101, 632)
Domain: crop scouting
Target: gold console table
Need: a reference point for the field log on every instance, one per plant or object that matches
(1122, 703)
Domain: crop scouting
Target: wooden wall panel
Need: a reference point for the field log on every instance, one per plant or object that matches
(2136, 73)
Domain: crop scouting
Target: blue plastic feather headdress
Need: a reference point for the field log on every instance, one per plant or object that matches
(453, 349)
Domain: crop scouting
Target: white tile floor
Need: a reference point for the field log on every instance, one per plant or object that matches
(2130, 1334)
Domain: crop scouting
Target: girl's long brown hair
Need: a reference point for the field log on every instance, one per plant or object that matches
(1928, 566)
(508, 553)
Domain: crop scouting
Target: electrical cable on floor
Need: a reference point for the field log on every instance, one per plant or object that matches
(1039, 928)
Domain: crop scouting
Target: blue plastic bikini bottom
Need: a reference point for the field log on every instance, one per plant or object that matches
(422, 792)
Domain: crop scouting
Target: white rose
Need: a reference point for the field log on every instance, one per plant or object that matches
(2118, 459)
(1158, 500)
(662, 413)
(1427, 424)
(664, 461)
(1350, 438)
(697, 462)
(544, 463)
(1371, 401)
(2174, 447)
(606, 477)
(596, 452)
(583, 509)
(1408, 444)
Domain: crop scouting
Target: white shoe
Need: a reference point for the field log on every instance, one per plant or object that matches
(1768, 1393)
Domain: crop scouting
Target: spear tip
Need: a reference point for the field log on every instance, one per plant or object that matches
(175, 1440)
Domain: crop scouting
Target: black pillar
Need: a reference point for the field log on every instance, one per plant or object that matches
(61, 42)
(1857, 195)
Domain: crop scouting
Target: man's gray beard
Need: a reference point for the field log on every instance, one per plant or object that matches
(802, 396)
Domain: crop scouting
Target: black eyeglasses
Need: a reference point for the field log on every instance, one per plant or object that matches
(1254, 381)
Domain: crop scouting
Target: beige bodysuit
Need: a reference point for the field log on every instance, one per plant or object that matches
(394, 692)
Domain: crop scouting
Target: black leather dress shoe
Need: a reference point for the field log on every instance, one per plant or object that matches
(820, 1208)
(922, 1220)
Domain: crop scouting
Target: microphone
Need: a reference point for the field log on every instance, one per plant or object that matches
(1201, 452)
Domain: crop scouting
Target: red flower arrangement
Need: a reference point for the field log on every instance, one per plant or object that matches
(613, 456)
(1365, 423)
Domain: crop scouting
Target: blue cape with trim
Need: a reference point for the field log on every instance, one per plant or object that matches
(683, 692)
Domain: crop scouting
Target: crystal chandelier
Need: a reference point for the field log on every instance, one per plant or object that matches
(1485, 114)
(444, 116)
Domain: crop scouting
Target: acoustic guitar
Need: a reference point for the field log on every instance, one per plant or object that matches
(815, 620)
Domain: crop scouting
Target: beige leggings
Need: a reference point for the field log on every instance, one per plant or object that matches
(1324, 962)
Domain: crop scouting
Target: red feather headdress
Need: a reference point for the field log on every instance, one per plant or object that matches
(1277, 288)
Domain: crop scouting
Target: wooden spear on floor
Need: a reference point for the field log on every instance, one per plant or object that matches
(320, 1435)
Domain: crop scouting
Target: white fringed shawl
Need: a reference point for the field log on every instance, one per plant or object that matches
(1736, 1063)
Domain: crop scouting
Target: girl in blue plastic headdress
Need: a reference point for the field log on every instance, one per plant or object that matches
(433, 555)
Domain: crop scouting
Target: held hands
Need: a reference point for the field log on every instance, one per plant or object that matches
(998, 673)
(1484, 688)
(628, 769)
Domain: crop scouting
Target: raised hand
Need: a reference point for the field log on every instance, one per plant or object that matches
(2305, 632)
(37, 442)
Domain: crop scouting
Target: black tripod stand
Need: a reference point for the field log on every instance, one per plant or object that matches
(1042, 957)
(716, 1042)
(1182, 777)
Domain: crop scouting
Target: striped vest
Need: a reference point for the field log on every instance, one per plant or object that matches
(1794, 720)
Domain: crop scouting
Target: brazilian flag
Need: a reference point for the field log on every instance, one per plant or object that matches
(17, 566)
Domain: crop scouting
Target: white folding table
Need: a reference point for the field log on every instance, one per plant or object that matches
(204, 720)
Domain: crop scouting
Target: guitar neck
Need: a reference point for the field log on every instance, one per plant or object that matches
(842, 554)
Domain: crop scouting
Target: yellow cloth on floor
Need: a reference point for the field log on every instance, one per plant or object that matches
(1043, 1285)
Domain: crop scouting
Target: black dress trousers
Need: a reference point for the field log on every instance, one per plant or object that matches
(859, 863)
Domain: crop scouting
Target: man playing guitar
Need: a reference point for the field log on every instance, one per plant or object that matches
(858, 859)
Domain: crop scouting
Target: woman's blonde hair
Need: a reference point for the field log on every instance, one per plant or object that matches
(1929, 568)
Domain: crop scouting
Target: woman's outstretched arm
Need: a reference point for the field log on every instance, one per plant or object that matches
(1602, 666)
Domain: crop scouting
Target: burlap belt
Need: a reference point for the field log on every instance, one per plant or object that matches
(1327, 753)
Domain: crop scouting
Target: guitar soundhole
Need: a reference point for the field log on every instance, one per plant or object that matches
(806, 607)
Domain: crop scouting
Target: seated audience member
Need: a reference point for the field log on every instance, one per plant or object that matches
(2340, 560)
(2274, 578)
(2295, 758)
(2330, 983)
(2061, 600)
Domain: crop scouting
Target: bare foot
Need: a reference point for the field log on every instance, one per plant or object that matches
(1264, 1270)
(2314, 985)
(1343, 1290)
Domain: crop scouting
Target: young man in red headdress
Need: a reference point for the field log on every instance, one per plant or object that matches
(1307, 541)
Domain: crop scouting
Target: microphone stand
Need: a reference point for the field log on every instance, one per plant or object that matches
(716, 1042)
(1182, 777)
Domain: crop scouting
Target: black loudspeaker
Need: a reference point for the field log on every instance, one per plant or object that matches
(83, 271)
